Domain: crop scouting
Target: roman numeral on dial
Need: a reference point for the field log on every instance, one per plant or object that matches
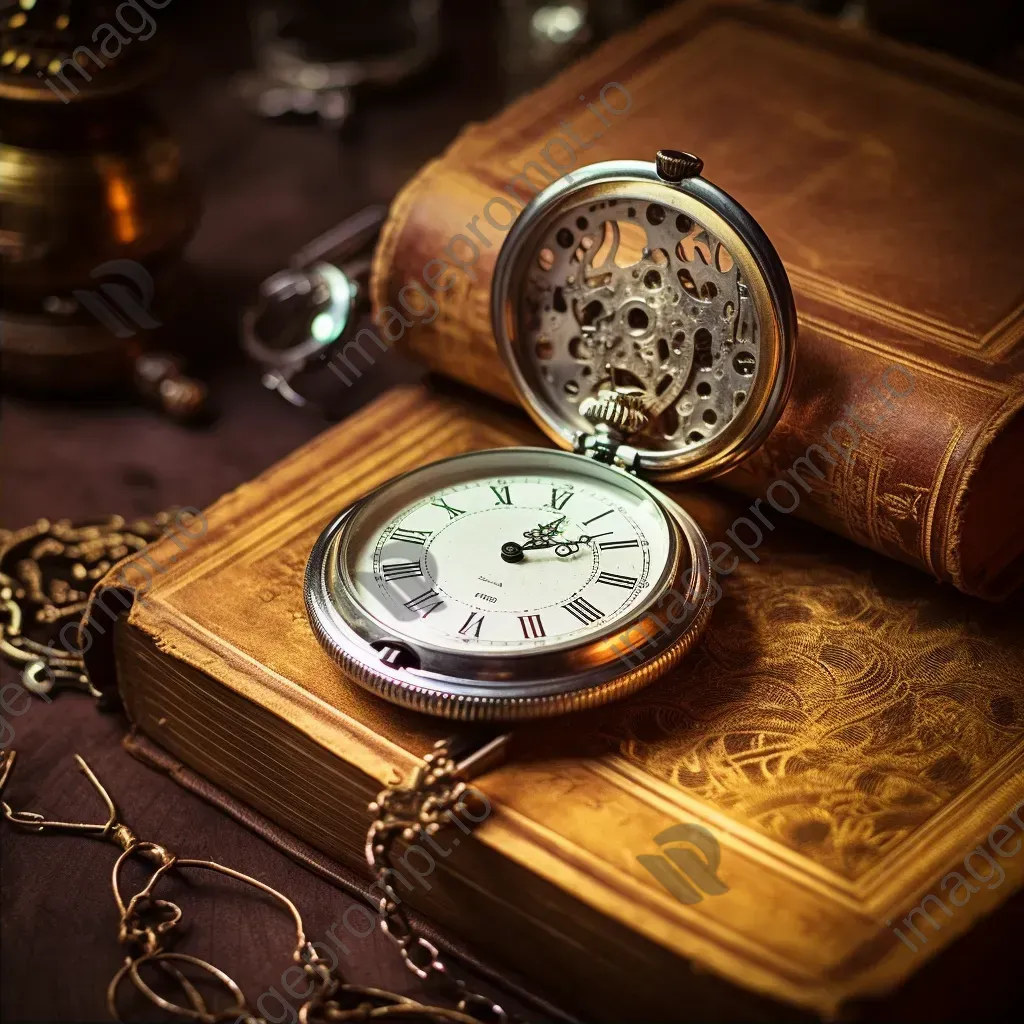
(613, 579)
(401, 570)
(501, 493)
(532, 626)
(425, 603)
(613, 545)
(452, 512)
(559, 499)
(583, 610)
(471, 627)
(411, 536)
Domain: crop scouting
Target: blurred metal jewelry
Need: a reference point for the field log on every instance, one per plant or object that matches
(46, 572)
(309, 310)
(309, 59)
(147, 923)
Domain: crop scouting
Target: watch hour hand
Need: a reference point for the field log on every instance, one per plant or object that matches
(513, 551)
(544, 531)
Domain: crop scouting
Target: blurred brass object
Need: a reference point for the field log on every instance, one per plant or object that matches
(159, 379)
(95, 206)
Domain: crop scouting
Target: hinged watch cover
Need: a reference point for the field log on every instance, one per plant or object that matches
(645, 279)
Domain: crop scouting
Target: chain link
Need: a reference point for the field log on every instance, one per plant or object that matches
(148, 925)
(409, 814)
(42, 568)
(46, 572)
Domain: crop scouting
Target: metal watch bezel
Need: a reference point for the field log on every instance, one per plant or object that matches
(753, 252)
(479, 686)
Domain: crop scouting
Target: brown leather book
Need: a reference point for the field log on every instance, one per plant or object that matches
(890, 180)
(799, 817)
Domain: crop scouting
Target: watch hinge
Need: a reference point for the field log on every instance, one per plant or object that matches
(609, 449)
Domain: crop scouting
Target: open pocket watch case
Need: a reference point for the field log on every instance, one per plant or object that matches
(649, 328)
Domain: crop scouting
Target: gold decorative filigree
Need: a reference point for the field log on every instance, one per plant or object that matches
(833, 709)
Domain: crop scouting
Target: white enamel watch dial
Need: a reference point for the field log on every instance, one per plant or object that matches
(511, 562)
(509, 583)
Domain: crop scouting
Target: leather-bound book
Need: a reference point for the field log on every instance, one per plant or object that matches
(891, 181)
(798, 820)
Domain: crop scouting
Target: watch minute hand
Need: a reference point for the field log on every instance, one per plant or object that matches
(557, 542)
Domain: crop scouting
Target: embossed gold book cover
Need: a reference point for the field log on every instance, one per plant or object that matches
(825, 794)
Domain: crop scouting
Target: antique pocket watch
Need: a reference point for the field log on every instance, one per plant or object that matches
(648, 326)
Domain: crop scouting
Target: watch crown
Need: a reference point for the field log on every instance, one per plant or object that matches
(674, 166)
(617, 410)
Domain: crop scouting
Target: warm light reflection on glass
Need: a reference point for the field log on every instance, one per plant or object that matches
(122, 205)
